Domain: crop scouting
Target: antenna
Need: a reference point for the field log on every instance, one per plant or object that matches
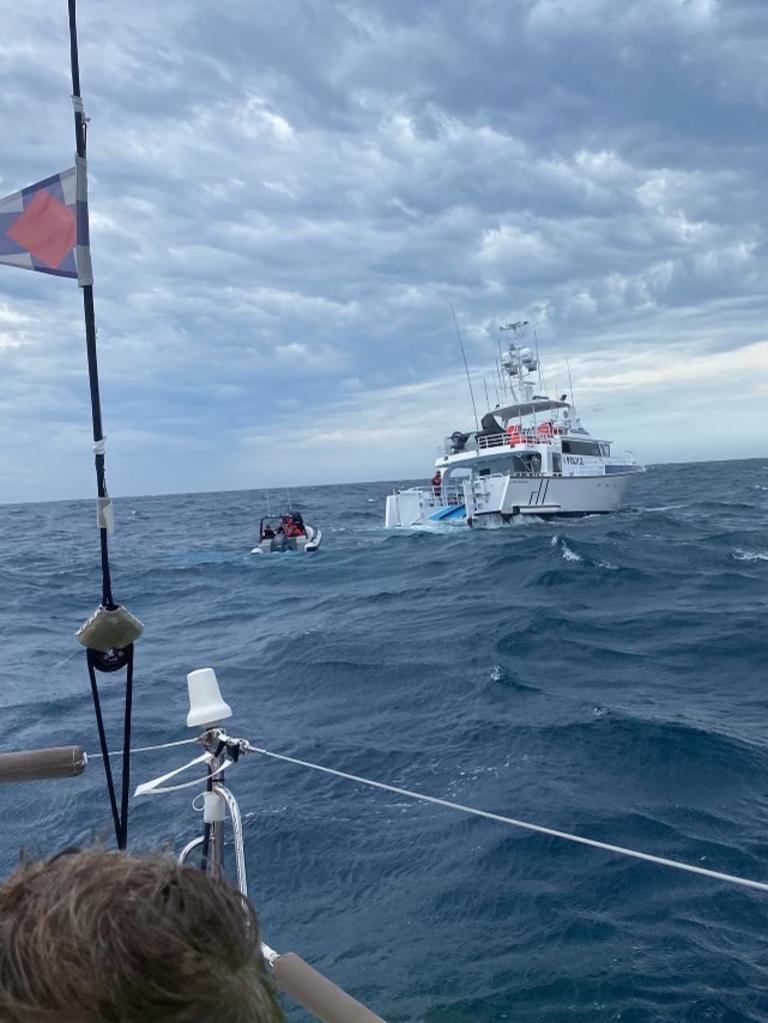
(538, 361)
(515, 327)
(466, 365)
(570, 384)
(266, 496)
(487, 399)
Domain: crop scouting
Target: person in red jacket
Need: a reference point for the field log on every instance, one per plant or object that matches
(292, 527)
(436, 483)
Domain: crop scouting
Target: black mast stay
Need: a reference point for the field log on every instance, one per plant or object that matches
(109, 634)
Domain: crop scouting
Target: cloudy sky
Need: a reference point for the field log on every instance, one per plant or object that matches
(287, 196)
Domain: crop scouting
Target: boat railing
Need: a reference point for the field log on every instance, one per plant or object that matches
(623, 458)
(450, 494)
(493, 440)
(518, 440)
(529, 438)
(437, 497)
(522, 438)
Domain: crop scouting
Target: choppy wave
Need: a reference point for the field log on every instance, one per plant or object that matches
(605, 676)
(565, 551)
(741, 555)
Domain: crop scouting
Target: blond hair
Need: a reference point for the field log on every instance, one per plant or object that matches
(107, 937)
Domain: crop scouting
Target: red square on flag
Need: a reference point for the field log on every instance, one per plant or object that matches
(46, 228)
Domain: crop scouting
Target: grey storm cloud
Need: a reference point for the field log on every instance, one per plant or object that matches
(286, 196)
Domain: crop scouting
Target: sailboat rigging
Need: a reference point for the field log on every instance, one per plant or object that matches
(45, 228)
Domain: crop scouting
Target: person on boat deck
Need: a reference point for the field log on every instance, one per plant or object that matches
(268, 533)
(436, 483)
(92, 936)
(292, 527)
(278, 540)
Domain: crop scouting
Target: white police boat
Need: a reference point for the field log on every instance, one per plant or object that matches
(531, 456)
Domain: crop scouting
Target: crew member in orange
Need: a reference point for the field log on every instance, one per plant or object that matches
(292, 527)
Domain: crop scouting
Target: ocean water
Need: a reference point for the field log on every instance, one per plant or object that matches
(606, 676)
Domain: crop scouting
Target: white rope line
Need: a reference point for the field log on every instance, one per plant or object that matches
(473, 811)
(462, 808)
(143, 749)
(65, 658)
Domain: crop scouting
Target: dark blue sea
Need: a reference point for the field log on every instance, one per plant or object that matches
(605, 676)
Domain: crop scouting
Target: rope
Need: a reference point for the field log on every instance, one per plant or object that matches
(122, 841)
(513, 822)
(123, 657)
(143, 749)
(64, 659)
(475, 812)
(90, 661)
(97, 662)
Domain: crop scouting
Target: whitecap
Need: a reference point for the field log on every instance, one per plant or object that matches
(565, 550)
(568, 554)
(741, 555)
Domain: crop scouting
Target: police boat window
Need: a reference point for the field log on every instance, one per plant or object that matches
(581, 447)
(529, 464)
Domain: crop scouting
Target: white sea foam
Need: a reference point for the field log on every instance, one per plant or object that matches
(742, 555)
(446, 528)
(568, 554)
